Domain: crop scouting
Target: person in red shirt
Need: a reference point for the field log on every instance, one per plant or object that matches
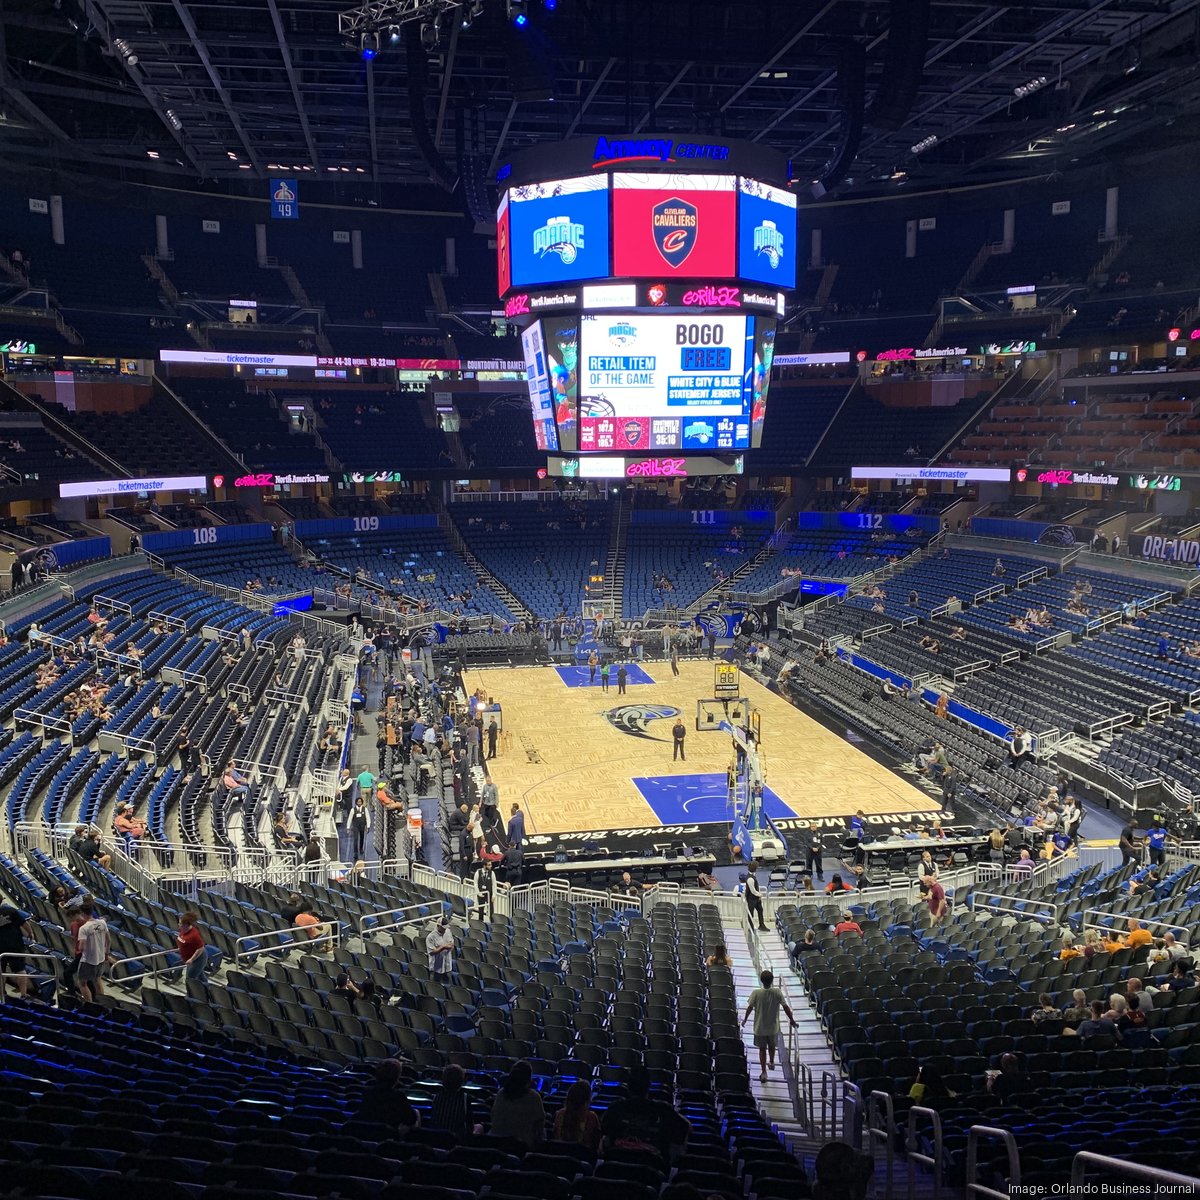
(837, 884)
(81, 910)
(935, 895)
(847, 925)
(191, 948)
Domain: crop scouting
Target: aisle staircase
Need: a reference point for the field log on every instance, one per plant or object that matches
(481, 573)
(807, 1111)
(614, 564)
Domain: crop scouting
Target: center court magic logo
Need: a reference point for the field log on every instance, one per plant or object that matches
(675, 225)
(769, 241)
(561, 236)
(634, 719)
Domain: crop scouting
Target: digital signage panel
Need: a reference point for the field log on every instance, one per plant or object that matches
(764, 357)
(766, 234)
(537, 372)
(560, 337)
(652, 382)
(503, 247)
(558, 231)
(674, 226)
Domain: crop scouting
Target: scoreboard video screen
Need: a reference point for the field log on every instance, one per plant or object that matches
(657, 226)
(637, 382)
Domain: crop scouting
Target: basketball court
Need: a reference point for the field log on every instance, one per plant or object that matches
(578, 758)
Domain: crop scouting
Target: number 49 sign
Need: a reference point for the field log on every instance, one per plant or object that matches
(284, 203)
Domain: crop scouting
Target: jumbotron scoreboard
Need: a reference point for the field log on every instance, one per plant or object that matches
(647, 276)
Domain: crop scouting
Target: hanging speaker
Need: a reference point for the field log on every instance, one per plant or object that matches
(903, 64)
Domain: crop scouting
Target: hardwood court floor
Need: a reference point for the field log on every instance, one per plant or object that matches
(571, 768)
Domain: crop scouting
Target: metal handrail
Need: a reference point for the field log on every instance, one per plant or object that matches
(974, 1187)
(1005, 905)
(880, 1128)
(177, 965)
(1121, 918)
(852, 1113)
(364, 928)
(932, 1161)
(1129, 1170)
(24, 957)
(332, 938)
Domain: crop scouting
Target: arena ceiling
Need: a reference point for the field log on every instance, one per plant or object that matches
(238, 90)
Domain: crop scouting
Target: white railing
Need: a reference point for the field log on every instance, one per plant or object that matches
(282, 941)
(411, 914)
(1004, 905)
(1161, 1181)
(931, 1162)
(1044, 871)
(1095, 918)
(880, 1130)
(107, 602)
(169, 621)
(443, 881)
(974, 1187)
(22, 958)
(164, 961)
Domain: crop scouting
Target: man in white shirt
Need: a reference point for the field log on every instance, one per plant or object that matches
(1020, 748)
(439, 945)
(1167, 952)
(95, 944)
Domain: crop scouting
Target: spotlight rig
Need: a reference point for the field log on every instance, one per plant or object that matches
(386, 16)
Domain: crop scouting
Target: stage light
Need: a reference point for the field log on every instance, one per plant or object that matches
(517, 13)
(520, 20)
(393, 34)
(369, 47)
(1027, 89)
(431, 35)
(551, 5)
(926, 143)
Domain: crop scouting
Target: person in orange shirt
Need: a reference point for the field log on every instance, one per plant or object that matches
(308, 920)
(1137, 935)
(1113, 942)
(1069, 949)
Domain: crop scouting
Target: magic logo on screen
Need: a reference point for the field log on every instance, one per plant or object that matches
(622, 150)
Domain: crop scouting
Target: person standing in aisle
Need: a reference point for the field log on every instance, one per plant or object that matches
(753, 894)
(515, 834)
(765, 1003)
(358, 827)
(439, 945)
(814, 852)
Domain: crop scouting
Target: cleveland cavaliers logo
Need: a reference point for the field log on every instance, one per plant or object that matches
(675, 224)
(634, 719)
